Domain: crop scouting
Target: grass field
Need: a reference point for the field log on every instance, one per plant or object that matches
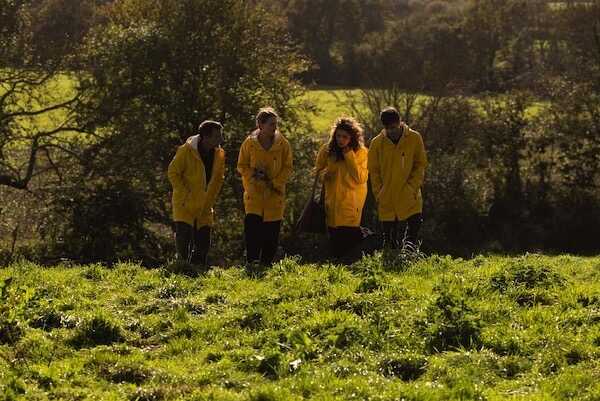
(333, 103)
(490, 328)
(330, 104)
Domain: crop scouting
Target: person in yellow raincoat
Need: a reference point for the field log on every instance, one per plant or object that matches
(196, 174)
(397, 162)
(265, 164)
(342, 166)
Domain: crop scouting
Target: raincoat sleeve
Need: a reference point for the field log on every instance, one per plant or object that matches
(216, 180)
(356, 163)
(375, 170)
(176, 170)
(280, 179)
(321, 163)
(243, 165)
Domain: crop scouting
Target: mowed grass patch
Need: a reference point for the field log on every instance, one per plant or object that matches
(488, 328)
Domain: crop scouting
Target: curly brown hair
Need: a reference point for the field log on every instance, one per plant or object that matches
(352, 127)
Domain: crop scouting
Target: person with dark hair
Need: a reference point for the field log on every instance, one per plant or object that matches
(342, 167)
(196, 173)
(397, 162)
(265, 164)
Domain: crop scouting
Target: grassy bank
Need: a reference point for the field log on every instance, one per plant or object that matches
(482, 329)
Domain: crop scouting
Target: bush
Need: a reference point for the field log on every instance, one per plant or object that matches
(102, 221)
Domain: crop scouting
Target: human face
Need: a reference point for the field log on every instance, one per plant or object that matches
(393, 130)
(342, 137)
(268, 127)
(213, 140)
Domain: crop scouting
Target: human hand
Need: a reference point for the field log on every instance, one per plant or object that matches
(326, 174)
(259, 174)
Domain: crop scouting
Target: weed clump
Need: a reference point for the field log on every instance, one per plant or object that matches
(252, 321)
(451, 323)
(47, 319)
(525, 275)
(98, 330)
(270, 365)
(405, 367)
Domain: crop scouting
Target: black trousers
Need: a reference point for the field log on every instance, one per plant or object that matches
(262, 239)
(344, 240)
(184, 235)
(397, 233)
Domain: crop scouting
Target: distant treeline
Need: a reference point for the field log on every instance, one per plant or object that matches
(95, 96)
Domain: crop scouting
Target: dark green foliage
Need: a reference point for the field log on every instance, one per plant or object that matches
(48, 319)
(588, 300)
(370, 284)
(450, 323)
(128, 372)
(12, 303)
(97, 330)
(252, 320)
(406, 367)
(512, 366)
(102, 222)
(187, 269)
(270, 365)
(523, 274)
(346, 335)
(10, 331)
(528, 298)
(214, 357)
(172, 289)
(216, 299)
(357, 304)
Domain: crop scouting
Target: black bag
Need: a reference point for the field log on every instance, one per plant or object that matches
(313, 219)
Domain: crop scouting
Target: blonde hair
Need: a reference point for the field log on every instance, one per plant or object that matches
(265, 114)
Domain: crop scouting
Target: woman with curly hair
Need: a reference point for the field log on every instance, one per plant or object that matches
(342, 167)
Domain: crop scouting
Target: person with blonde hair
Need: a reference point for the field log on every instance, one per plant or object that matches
(342, 167)
(196, 174)
(265, 164)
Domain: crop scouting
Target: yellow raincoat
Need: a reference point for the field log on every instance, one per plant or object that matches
(277, 163)
(397, 172)
(192, 198)
(345, 186)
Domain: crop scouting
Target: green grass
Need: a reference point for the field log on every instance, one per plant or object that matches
(54, 91)
(333, 103)
(490, 328)
(330, 104)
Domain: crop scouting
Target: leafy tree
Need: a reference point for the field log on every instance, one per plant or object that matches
(153, 71)
(39, 127)
(329, 31)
